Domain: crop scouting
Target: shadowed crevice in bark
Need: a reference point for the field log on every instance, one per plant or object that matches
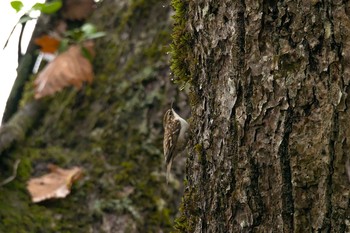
(248, 106)
(327, 223)
(256, 202)
(240, 36)
(203, 190)
(287, 187)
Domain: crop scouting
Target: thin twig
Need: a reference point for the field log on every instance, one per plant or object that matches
(14, 174)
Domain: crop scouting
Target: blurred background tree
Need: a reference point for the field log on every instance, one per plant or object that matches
(112, 129)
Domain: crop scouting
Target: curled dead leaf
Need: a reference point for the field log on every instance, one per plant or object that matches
(68, 68)
(56, 184)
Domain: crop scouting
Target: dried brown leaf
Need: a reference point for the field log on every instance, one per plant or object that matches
(48, 44)
(68, 68)
(56, 184)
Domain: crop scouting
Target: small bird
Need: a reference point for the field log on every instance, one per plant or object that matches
(175, 137)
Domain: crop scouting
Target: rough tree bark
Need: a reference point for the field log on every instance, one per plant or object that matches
(112, 129)
(270, 125)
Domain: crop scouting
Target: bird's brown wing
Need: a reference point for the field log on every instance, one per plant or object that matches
(172, 131)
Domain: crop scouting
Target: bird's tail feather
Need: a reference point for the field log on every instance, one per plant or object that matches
(168, 169)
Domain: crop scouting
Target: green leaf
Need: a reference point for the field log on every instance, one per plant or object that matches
(88, 28)
(63, 45)
(95, 35)
(24, 19)
(90, 32)
(17, 5)
(37, 6)
(75, 35)
(86, 54)
(49, 7)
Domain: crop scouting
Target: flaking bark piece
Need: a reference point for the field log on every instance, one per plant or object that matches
(347, 166)
(54, 185)
(68, 68)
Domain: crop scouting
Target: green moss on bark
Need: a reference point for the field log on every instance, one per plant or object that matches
(182, 64)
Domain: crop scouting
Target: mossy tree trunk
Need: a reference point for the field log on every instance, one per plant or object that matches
(112, 129)
(270, 124)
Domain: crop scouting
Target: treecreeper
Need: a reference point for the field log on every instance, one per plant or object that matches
(175, 137)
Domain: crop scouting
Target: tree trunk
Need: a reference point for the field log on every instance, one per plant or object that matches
(269, 89)
(112, 129)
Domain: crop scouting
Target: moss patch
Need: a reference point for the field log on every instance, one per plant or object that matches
(182, 64)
